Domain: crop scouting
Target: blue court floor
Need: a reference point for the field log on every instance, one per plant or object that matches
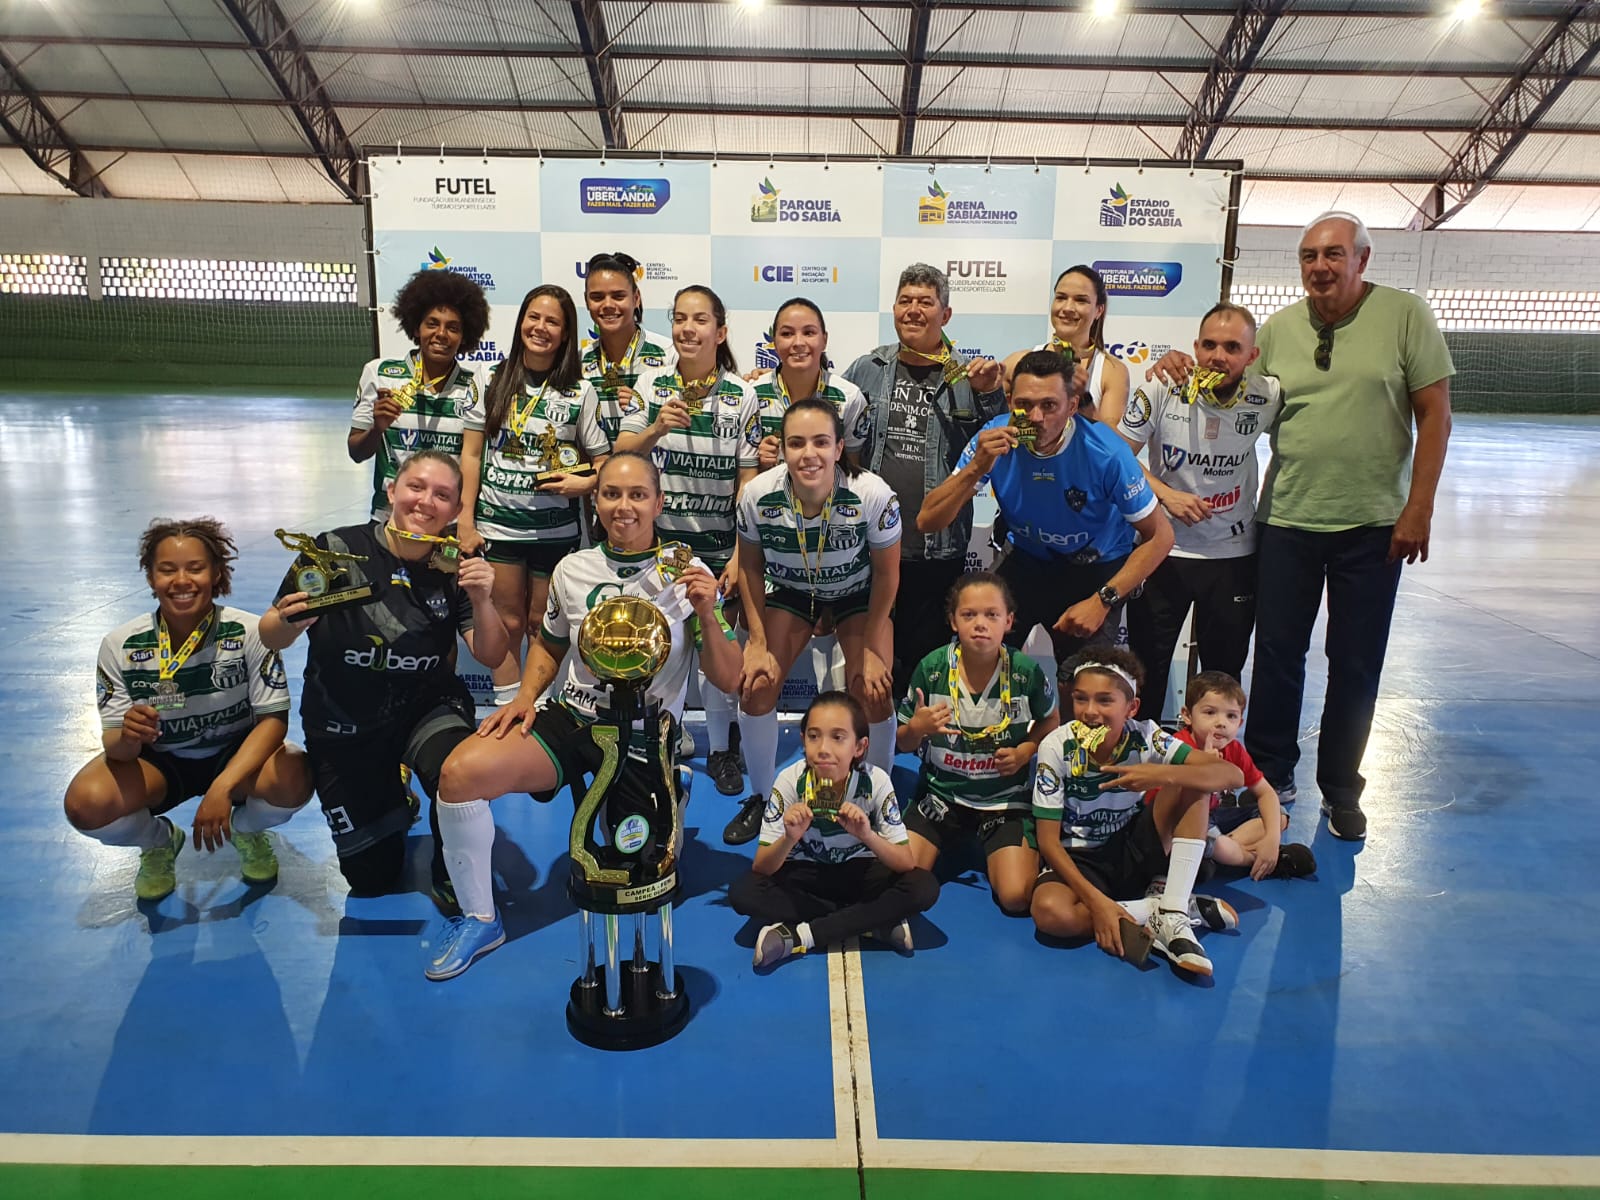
(1428, 995)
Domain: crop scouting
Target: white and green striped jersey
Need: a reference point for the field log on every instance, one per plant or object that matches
(434, 422)
(862, 516)
(1089, 816)
(953, 769)
(228, 681)
(844, 395)
(700, 465)
(510, 506)
(584, 578)
(653, 353)
(826, 841)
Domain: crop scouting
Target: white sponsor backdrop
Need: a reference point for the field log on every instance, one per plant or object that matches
(760, 233)
(840, 233)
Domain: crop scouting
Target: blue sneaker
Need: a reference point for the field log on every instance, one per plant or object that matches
(463, 942)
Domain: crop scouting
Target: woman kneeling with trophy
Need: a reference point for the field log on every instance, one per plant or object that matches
(528, 747)
(383, 604)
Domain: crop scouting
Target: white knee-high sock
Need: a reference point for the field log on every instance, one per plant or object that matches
(255, 815)
(505, 693)
(1138, 911)
(139, 829)
(880, 747)
(720, 708)
(468, 834)
(759, 738)
(1182, 868)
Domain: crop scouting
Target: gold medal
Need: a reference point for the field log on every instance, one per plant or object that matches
(514, 448)
(407, 394)
(987, 739)
(823, 796)
(672, 560)
(1086, 739)
(1202, 387)
(1027, 432)
(695, 391)
(168, 696)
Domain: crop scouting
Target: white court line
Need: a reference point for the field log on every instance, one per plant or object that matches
(256, 1151)
(1203, 1161)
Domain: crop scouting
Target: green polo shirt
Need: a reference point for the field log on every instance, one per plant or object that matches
(1341, 449)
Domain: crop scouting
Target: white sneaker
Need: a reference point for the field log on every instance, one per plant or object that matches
(898, 935)
(1170, 934)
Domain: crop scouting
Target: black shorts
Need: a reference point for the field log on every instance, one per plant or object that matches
(188, 777)
(358, 779)
(811, 608)
(540, 558)
(566, 740)
(948, 825)
(1124, 864)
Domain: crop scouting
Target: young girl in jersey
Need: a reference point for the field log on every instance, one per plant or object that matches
(191, 704)
(380, 686)
(834, 860)
(1078, 322)
(697, 421)
(977, 711)
(621, 348)
(523, 512)
(528, 748)
(826, 538)
(1103, 847)
(420, 401)
(800, 339)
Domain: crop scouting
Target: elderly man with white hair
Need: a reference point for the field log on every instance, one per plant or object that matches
(1348, 498)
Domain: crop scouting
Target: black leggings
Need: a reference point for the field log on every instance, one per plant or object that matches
(1223, 592)
(840, 900)
(358, 784)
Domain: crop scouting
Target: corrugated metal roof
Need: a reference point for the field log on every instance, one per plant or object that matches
(1578, 105)
(200, 19)
(1053, 91)
(19, 177)
(702, 134)
(1356, 42)
(698, 27)
(1555, 209)
(734, 85)
(382, 128)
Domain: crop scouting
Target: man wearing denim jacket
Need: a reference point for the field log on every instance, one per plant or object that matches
(920, 422)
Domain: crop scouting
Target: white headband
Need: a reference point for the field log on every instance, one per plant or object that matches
(1110, 669)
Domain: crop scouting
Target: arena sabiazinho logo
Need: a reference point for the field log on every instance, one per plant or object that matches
(640, 197)
(939, 207)
(767, 206)
(1120, 210)
(439, 261)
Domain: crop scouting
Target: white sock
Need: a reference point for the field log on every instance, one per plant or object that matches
(803, 932)
(505, 693)
(139, 829)
(1138, 911)
(720, 708)
(1042, 650)
(255, 815)
(880, 749)
(1182, 868)
(759, 737)
(468, 834)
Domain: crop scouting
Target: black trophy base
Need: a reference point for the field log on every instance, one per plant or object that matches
(646, 1019)
(316, 606)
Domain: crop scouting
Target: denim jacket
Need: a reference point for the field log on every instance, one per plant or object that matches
(957, 413)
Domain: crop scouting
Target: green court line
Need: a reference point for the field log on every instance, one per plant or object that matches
(63, 1182)
(66, 1182)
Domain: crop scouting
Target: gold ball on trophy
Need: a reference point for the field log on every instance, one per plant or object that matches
(624, 639)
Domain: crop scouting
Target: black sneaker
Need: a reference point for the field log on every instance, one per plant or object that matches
(723, 767)
(443, 895)
(1346, 821)
(1287, 793)
(746, 824)
(1294, 862)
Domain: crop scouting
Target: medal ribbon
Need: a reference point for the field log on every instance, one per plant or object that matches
(812, 576)
(610, 370)
(1202, 387)
(989, 731)
(432, 538)
(783, 388)
(168, 662)
(416, 385)
(520, 414)
(944, 358)
(1087, 739)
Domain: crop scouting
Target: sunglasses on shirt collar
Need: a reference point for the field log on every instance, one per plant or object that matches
(1323, 356)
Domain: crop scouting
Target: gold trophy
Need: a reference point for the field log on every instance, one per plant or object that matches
(322, 568)
(626, 835)
(1027, 432)
(554, 457)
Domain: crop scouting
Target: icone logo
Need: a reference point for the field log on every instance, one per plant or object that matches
(379, 657)
(1130, 352)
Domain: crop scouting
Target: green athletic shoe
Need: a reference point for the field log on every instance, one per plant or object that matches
(157, 868)
(257, 862)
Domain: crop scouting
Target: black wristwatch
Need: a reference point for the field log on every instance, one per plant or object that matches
(1109, 596)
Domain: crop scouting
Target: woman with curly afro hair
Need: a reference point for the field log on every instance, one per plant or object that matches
(419, 402)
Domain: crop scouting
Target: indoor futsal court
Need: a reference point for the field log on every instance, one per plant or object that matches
(207, 209)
